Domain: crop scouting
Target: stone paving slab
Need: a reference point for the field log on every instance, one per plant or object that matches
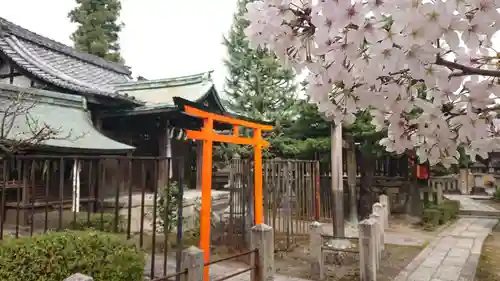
(453, 256)
(467, 203)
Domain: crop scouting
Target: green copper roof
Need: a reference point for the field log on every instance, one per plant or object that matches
(164, 97)
(65, 114)
(160, 93)
(164, 83)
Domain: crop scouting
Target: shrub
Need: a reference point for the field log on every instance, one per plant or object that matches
(441, 214)
(453, 207)
(496, 195)
(166, 208)
(445, 213)
(105, 222)
(431, 218)
(54, 256)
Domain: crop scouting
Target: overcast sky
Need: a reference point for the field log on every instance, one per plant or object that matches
(161, 38)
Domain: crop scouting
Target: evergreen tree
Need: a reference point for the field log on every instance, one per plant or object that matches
(98, 29)
(257, 85)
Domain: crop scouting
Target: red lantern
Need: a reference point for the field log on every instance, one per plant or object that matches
(422, 170)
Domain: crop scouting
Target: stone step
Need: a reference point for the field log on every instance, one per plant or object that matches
(479, 213)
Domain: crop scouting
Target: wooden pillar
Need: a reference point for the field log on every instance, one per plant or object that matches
(98, 124)
(26, 191)
(206, 194)
(337, 180)
(169, 150)
(75, 177)
(163, 164)
(199, 153)
(258, 194)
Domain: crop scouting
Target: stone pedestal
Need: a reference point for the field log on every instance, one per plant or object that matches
(192, 260)
(337, 257)
(316, 252)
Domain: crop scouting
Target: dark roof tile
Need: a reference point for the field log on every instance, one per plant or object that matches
(61, 69)
(60, 65)
(14, 29)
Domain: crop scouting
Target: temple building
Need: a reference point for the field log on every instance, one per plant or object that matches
(97, 104)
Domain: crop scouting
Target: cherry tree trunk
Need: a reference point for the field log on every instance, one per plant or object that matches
(366, 196)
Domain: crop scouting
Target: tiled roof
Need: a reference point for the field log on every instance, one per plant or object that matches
(61, 65)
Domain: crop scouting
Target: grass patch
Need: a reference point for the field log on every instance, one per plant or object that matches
(394, 259)
(488, 269)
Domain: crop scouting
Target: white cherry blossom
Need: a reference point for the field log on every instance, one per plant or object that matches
(424, 69)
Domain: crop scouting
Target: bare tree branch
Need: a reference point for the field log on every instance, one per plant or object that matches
(17, 109)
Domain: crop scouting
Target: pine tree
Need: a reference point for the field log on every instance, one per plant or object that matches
(257, 86)
(98, 29)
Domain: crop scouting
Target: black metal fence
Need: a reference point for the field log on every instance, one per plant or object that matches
(289, 190)
(137, 197)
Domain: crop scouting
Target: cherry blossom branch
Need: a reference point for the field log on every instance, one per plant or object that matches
(466, 70)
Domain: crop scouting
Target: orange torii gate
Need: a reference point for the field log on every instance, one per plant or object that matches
(208, 136)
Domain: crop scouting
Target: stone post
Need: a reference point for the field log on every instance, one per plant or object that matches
(464, 181)
(378, 235)
(192, 260)
(79, 277)
(315, 244)
(384, 200)
(378, 209)
(439, 193)
(262, 239)
(367, 250)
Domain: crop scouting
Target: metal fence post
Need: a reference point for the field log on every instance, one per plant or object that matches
(262, 239)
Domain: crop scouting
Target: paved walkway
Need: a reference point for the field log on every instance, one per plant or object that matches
(454, 254)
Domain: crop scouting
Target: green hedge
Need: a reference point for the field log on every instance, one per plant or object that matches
(104, 222)
(54, 256)
(438, 215)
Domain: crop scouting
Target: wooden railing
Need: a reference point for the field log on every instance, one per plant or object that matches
(449, 184)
